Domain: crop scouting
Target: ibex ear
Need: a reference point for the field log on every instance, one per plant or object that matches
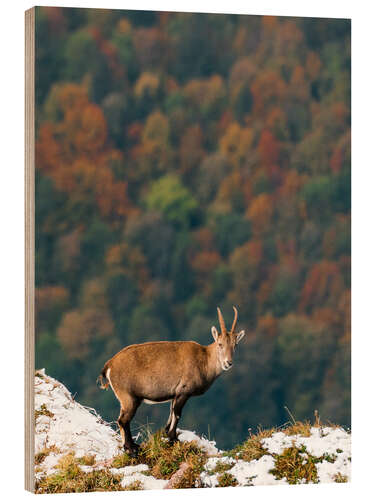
(214, 333)
(239, 336)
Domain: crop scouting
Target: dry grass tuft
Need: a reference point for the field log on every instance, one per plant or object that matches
(191, 477)
(86, 460)
(171, 457)
(252, 448)
(69, 465)
(302, 428)
(296, 466)
(226, 479)
(164, 459)
(69, 478)
(220, 467)
(41, 455)
(340, 478)
(134, 486)
(43, 411)
(123, 460)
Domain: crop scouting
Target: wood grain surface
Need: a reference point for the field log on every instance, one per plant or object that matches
(29, 244)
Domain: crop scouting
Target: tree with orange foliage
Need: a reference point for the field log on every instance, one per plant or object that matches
(204, 263)
(231, 195)
(269, 152)
(323, 286)
(153, 153)
(79, 328)
(206, 95)
(75, 154)
(236, 143)
(267, 89)
(245, 265)
(260, 213)
(191, 149)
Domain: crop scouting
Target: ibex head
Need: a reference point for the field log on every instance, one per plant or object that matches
(226, 341)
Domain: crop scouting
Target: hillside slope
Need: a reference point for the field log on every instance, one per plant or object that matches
(77, 451)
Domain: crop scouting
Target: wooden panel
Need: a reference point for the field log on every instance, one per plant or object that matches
(29, 245)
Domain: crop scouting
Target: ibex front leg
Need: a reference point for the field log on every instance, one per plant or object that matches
(168, 424)
(176, 409)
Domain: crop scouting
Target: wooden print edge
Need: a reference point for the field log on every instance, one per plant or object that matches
(29, 246)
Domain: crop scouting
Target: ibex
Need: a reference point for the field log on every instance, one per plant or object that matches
(157, 372)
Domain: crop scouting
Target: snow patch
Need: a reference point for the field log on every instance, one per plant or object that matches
(133, 473)
(208, 446)
(256, 472)
(130, 469)
(147, 482)
(212, 462)
(67, 426)
(333, 443)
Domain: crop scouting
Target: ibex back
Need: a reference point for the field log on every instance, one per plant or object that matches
(156, 372)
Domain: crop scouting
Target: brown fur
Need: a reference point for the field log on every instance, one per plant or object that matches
(162, 371)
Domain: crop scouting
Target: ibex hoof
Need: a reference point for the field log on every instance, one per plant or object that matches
(132, 450)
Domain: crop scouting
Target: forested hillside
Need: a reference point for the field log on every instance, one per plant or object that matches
(188, 161)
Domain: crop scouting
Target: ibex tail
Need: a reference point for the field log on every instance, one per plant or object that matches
(102, 380)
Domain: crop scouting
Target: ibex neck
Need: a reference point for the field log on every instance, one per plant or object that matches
(214, 368)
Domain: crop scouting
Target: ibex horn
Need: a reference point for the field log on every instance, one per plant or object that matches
(221, 321)
(235, 320)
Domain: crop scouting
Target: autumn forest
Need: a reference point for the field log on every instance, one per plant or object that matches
(185, 162)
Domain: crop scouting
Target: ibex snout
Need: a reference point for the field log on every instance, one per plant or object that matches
(227, 365)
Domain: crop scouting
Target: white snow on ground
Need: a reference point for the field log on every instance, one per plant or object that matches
(255, 472)
(251, 473)
(134, 473)
(208, 446)
(212, 462)
(67, 426)
(335, 443)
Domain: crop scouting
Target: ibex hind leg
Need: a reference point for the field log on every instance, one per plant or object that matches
(127, 412)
